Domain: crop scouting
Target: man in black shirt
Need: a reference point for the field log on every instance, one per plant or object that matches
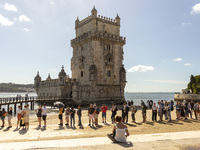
(91, 112)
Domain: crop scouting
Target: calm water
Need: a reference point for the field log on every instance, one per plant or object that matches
(136, 97)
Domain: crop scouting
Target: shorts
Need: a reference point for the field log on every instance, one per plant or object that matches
(91, 116)
(9, 118)
(19, 116)
(26, 119)
(103, 114)
(160, 114)
(39, 115)
(3, 118)
(44, 117)
(66, 116)
(60, 116)
(96, 116)
(186, 112)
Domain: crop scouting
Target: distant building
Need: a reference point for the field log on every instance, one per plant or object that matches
(98, 72)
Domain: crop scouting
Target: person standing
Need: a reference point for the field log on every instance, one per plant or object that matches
(96, 114)
(160, 113)
(91, 112)
(169, 111)
(3, 116)
(19, 115)
(44, 115)
(154, 112)
(189, 111)
(123, 112)
(27, 113)
(39, 115)
(133, 111)
(9, 115)
(114, 112)
(104, 109)
(126, 113)
(144, 109)
(60, 116)
(79, 113)
(185, 106)
(72, 116)
(67, 113)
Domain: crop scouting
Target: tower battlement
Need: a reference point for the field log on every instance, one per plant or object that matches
(97, 23)
(99, 35)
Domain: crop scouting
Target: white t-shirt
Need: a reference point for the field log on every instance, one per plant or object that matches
(19, 111)
(44, 111)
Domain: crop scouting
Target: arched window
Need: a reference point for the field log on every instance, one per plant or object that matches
(108, 47)
(108, 73)
(81, 73)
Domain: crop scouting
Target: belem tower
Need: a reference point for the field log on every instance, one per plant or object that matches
(98, 73)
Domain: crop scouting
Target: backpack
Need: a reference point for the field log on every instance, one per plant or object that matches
(1, 113)
(116, 109)
(63, 110)
(97, 110)
(127, 108)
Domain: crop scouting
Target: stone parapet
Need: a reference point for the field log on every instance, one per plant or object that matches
(99, 35)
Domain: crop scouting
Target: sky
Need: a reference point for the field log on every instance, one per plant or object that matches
(162, 39)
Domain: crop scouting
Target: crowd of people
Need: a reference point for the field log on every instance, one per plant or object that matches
(162, 110)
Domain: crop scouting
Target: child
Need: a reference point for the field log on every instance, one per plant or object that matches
(22, 122)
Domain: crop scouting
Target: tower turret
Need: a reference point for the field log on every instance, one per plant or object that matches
(117, 20)
(37, 80)
(62, 76)
(94, 12)
(77, 22)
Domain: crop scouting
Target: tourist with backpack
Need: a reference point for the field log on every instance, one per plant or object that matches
(114, 110)
(96, 114)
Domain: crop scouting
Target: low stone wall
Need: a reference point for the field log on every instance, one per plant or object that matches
(194, 97)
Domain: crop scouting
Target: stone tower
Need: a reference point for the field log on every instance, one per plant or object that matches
(97, 62)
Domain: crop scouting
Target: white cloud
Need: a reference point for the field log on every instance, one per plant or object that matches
(177, 59)
(52, 2)
(141, 68)
(25, 29)
(186, 23)
(169, 81)
(9, 7)
(24, 18)
(187, 64)
(195, 9)
(5, 21)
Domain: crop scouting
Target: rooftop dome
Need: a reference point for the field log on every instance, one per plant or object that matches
(37, 77)
(62, 72)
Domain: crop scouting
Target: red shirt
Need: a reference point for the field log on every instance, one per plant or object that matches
(104, 108)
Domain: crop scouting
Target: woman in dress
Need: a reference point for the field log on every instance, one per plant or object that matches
(120, 131)
(39, 114)
(19, 115)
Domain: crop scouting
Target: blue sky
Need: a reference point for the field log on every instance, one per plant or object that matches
(161, 51)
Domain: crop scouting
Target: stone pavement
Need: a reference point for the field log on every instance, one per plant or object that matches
(173, 140)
